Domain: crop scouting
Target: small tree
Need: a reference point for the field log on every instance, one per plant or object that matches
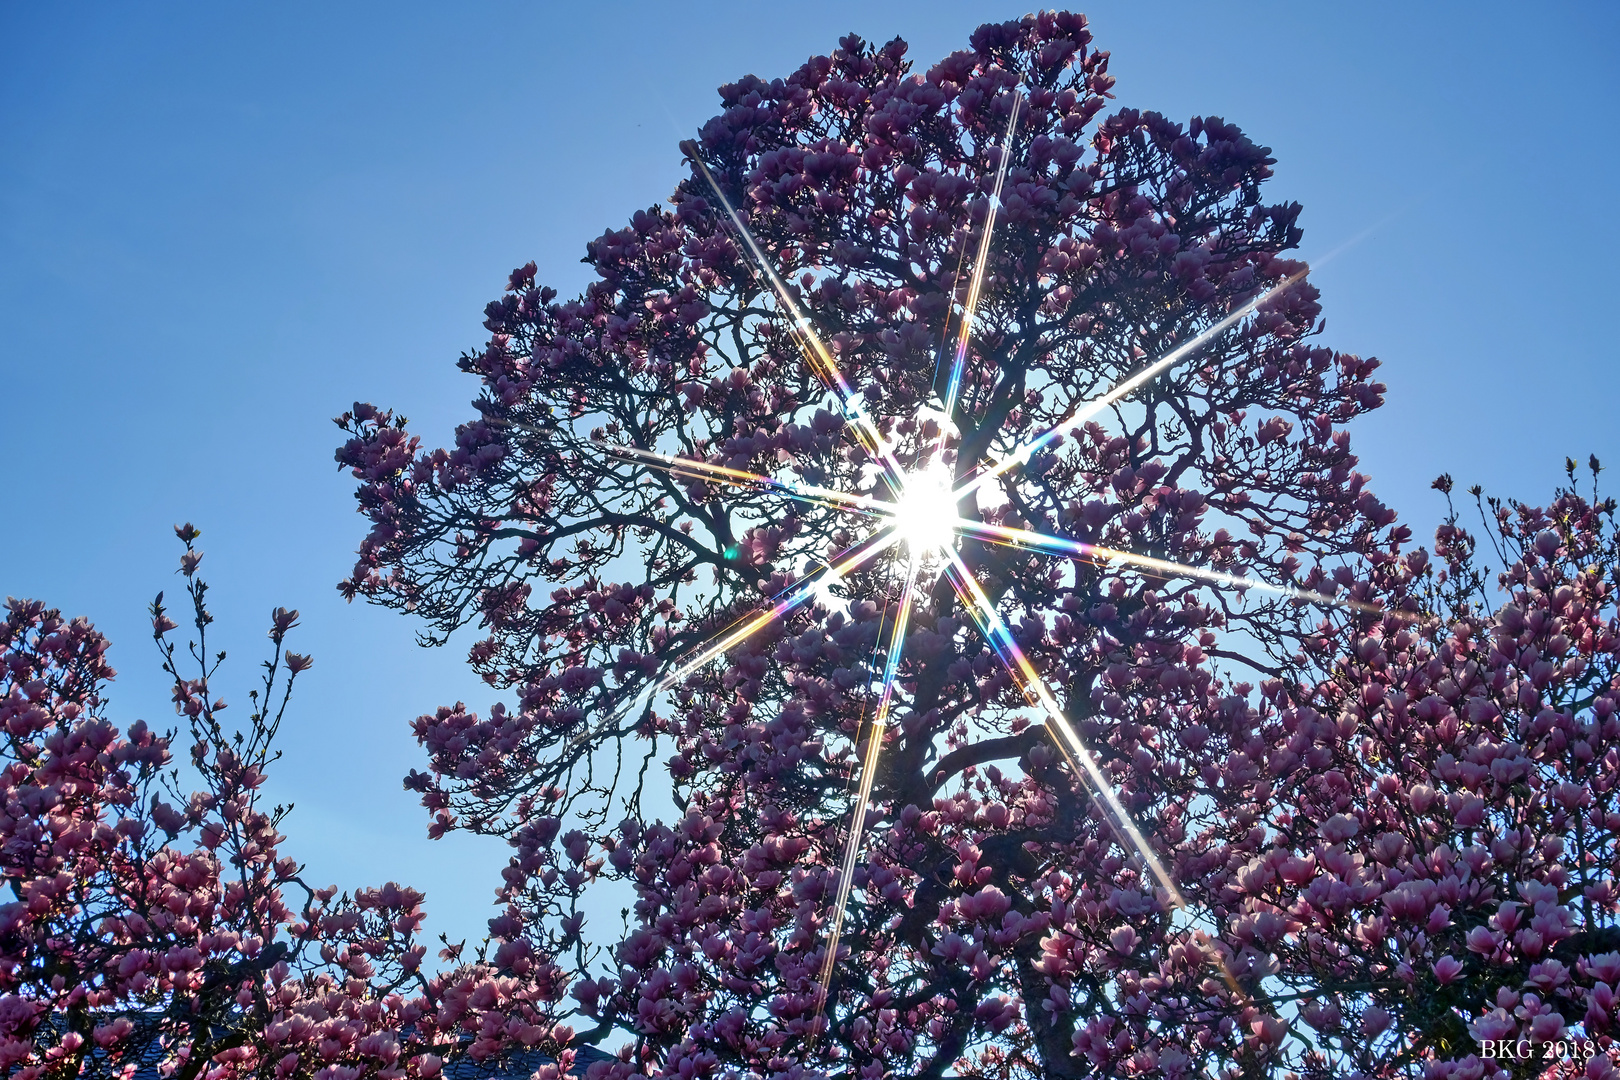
(150, 925)
(1434, 870)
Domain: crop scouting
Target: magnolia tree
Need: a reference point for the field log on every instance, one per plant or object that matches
(1378, 813)
(148, 925)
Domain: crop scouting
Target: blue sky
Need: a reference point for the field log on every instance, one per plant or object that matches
(222, 224)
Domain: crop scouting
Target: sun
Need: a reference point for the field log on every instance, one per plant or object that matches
(926, 514)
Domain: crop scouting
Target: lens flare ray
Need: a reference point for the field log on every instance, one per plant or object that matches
(981, 264)
(1057, 545)
(1018, 665)
(1024, 451)
(874, 747)
(704, 470)
(821, 360)
(805, 589)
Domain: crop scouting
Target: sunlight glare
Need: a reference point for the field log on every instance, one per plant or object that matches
(926, 515)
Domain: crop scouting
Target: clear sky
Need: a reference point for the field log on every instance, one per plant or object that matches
(220, 224)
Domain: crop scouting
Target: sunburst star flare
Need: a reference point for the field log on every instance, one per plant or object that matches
(923, 516)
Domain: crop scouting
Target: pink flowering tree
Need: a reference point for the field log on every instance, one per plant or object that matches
(1336, 845)
(1424, 848)
(145, 923)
